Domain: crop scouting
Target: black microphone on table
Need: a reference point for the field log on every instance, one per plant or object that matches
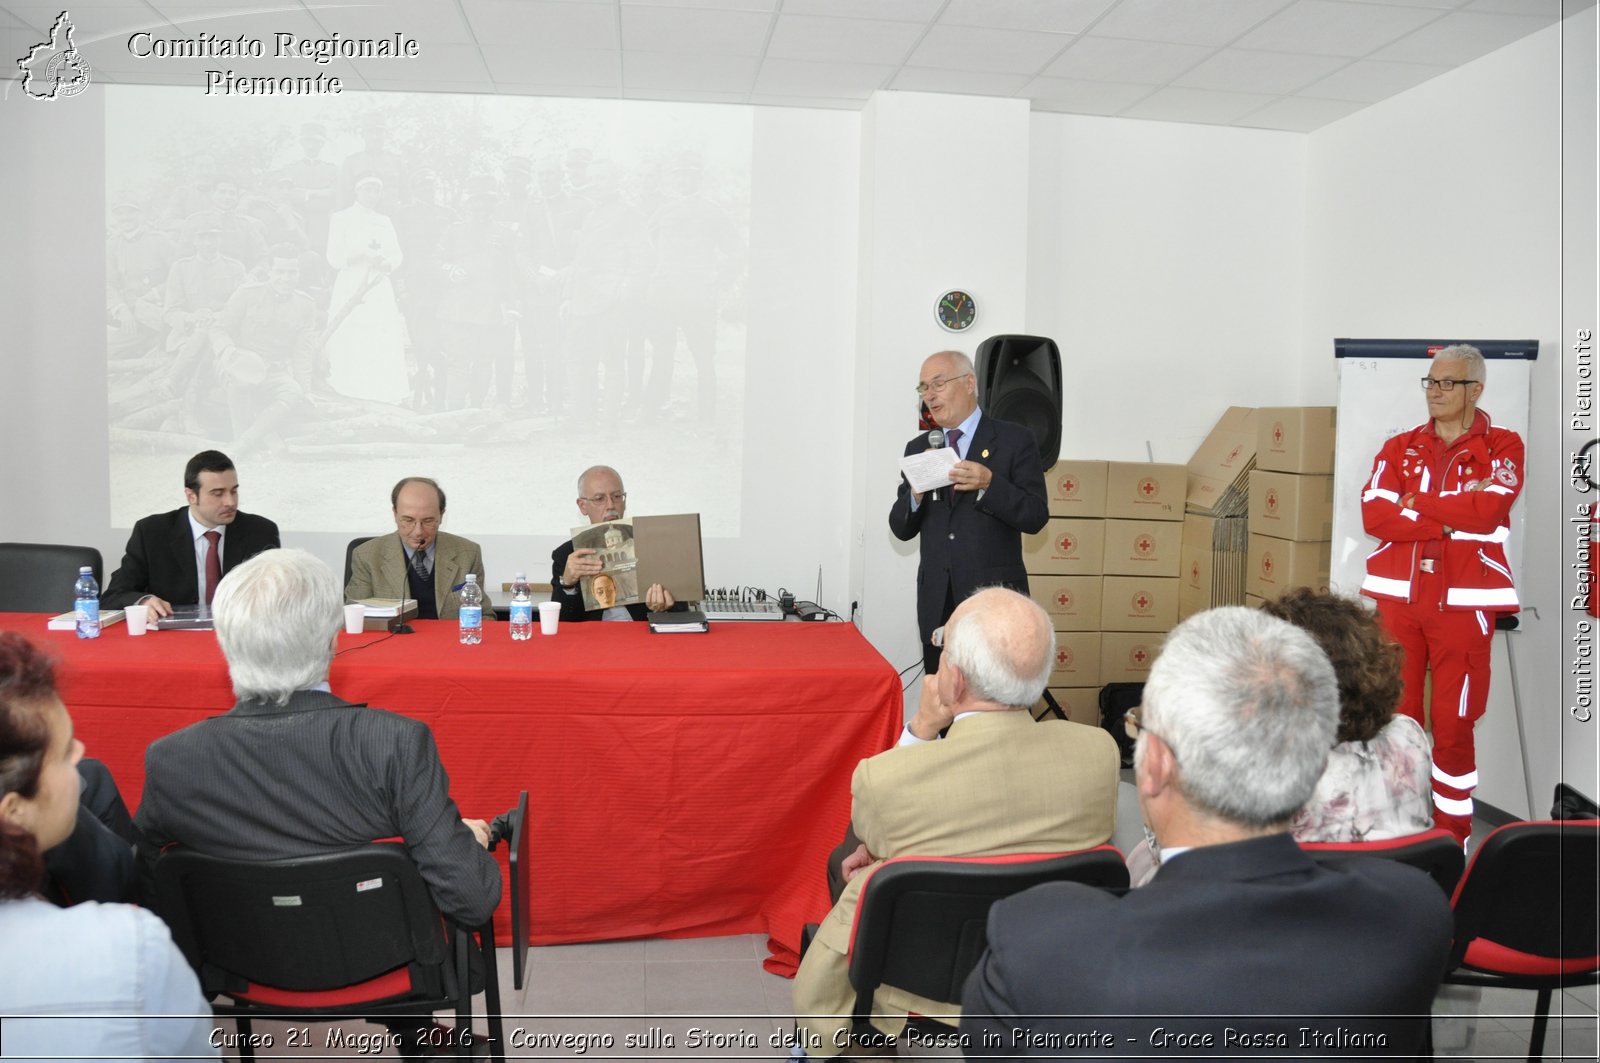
(398, 625)
(935, 441)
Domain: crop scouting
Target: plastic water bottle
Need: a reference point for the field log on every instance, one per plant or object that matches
(471, 611)
(86, 604)
(521, 609)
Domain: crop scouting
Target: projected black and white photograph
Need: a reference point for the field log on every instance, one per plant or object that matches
(358, 288)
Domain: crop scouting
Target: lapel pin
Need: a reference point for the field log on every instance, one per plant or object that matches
(986, 453)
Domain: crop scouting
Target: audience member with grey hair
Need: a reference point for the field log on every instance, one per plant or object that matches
(294, 770)
(996, 783)
(1241, 944)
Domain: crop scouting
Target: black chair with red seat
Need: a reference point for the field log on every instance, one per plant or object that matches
(1435, 851)
(337, 936)
(922, 922)
(1526, 913)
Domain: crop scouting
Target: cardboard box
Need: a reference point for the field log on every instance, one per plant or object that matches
(1076, 488)
(1254, 601)
(1194, 581)
(1081, 704)
(1287, 505)
(1137, 490)
(1276, 565)
(1066, 546)
(1138, 603)
(1295, 438)
(1073, 602)
(1142, 548)
(1216, 472)
(1126, 657)
(1077, 661)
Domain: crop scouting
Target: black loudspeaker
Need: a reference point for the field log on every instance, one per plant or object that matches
(1019, 380)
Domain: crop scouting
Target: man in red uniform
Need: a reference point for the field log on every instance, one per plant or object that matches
(1440, 500)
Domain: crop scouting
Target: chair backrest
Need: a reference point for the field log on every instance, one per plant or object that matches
(1435, 851)
(1530, 888)
(922, 922)
(312, 924)
(350, 548)
(38, 577)
(521, 865)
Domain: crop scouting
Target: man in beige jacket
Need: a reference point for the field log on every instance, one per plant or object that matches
(997, 783)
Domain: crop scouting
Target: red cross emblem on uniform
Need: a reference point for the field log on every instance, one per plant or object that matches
(1149, 488)
(1138, 655)
(1144, 544)
(1141, 603)
(1068, 485)
(1277, 432)
(1063, 657)
(1266, 564)
(1067, 544)
(1063, 599)
(1272, 499)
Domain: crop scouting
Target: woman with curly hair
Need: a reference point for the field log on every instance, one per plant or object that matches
(1377, 783)
(112, 961)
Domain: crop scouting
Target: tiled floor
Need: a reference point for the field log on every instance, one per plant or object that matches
(659, 992)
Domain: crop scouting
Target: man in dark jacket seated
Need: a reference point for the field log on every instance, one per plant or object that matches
(600, 499)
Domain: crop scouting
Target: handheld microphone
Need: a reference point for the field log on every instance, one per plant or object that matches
(935, 441)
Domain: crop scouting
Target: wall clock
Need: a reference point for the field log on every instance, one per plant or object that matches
(956, 310)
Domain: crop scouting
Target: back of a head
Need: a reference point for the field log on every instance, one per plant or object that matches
(1249, 704)
(1365, 660)
(276, 616)
(1004, 644)
(27, 687)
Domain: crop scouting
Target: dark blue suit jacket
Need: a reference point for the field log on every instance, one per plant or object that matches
(970, 543)
(159, 559)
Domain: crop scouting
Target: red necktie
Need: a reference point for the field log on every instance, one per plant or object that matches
(213, 563)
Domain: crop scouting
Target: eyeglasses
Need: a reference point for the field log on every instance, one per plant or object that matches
(429, 523)
(1131, 725)
(936, 384)
(600, 500)
(1446, 386)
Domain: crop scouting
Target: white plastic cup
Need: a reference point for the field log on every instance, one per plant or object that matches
(137, 617)
(355, 618)
(549, 617)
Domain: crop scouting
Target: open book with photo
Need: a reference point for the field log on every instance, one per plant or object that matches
(617, 582)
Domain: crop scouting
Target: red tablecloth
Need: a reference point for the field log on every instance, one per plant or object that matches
(679, 785)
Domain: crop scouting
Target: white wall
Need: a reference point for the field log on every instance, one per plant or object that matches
(1437, 213)
(1165, 260)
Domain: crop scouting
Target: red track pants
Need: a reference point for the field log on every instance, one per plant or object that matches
(1454, 645)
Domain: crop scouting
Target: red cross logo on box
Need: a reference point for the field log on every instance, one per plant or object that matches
(1063, 658)
(1064, 599)
(1067, 486)
(1232, 454)
(1138, 656)
(1149, 488)
(1277, 433)
(1194, 572)
(1272, 500)
(1067, 545)
(1141, 602)
(1266, 565)
(1145, 545)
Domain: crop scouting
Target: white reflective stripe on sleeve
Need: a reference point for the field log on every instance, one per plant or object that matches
(1497, 489)
(1427, 478)
(1475, 598)
(1379, 492)
(1461, 703)
(1460, 782)
(1483, 622)
(1400, 588)
(1451, 807)
(1410, 514)
(1499, 535)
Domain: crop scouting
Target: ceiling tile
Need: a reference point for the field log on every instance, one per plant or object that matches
(1133, 62)
(994, 51)
(686, 96)
(552, 23)
(705, 5)
(1327, 27)
(1049, 16)
(1196, 105)
(421, 85)
(1298, 115)
(792, 77)
(1083, 97)
(964, 82)
(577, 92)
(1461, 36)
(899, 10)
(1550, 8)
(1441, 5)
(430, 24)
(437, 62)
(843, 40)
(1273, 73)
(88, 22)
(659, 29)
(1210, 22)
(258, 23)
(822, 102)
(1368, 81)
(692, 73)
(573, 67)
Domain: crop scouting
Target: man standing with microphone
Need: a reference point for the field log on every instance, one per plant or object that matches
(971, 531)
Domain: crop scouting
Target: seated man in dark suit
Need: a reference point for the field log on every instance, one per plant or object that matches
(179, 558)
(1240, 944)
(600, 498)
(294, 770)
(419, 561)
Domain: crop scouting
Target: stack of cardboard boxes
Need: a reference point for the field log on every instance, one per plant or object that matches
(1215, 540)
(1105, 568)
(1291, 501)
